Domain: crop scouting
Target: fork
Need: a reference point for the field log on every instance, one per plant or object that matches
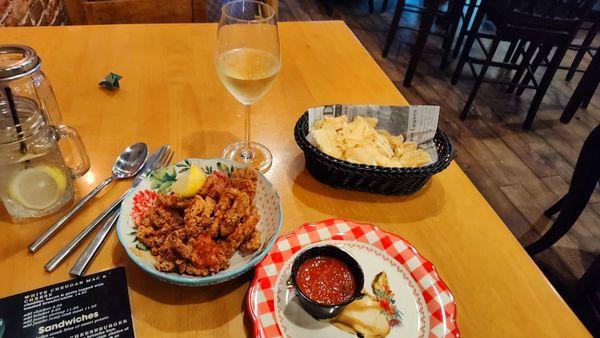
(90, 252)
(165, 155)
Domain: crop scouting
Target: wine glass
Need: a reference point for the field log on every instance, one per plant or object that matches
(247, 61)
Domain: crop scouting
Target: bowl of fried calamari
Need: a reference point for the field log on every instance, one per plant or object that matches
(200, 221)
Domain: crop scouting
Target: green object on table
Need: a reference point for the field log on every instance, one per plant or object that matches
(111, 81)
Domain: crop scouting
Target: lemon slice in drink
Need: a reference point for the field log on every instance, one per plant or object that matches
(38, 187)
(188, 185)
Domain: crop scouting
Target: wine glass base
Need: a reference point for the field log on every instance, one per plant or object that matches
(259, 156)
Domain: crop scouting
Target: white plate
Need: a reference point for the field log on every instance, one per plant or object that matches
(419, 294)
(267, 203)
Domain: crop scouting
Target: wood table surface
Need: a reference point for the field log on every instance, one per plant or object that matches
(170, 93)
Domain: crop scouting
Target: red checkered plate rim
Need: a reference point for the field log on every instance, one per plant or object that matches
(440, 306)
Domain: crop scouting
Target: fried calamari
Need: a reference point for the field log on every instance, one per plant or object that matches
(198, 235)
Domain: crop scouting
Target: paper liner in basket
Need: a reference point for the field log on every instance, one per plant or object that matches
(415, 123)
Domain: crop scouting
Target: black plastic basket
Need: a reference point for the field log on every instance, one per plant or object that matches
(381, 180)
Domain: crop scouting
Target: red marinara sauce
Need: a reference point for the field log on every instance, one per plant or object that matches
(326, 280)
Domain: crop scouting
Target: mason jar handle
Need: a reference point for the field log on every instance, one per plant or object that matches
(63, 131)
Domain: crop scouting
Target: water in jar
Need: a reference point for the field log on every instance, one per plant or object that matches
(37, 183)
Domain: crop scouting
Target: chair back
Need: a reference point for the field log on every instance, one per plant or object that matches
(559, 19)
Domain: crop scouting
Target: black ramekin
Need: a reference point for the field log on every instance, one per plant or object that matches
(318, 310)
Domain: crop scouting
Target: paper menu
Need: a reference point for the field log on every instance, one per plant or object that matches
(93, 306)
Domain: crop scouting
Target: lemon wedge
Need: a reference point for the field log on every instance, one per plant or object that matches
(188, 185)
(38, 187)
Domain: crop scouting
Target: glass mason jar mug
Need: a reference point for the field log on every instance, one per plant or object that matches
(21, 71)
(34, 179)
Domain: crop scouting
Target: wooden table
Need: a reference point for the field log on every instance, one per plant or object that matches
(171, 94)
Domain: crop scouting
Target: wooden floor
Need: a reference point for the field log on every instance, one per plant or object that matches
(520, 173)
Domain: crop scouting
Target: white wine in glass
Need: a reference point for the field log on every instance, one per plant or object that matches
(247, 73)
(247, 61)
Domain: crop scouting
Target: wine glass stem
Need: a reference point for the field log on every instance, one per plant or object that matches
(246, 152)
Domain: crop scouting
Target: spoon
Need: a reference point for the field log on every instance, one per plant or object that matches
(126, 165)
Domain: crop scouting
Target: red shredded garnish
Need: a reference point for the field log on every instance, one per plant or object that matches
(142, 201)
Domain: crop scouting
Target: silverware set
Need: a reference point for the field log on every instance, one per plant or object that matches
(132, 161)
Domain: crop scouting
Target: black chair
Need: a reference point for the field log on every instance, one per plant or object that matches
(428, 11)
(589, 82)
(585, 179)
(584, 91)
(466, 18)
(594, 20)
(512, 53)
(530, 26)
(585, 87)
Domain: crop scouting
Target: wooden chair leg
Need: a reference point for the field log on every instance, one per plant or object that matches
(468, 45)
(586, 101)
(371, 6)
(393, 27)
(511, 49)
(454, 12)
(424, 30)
(543, 86)
(592, 87)
(464, 27)
(587, 41)
(555, 207)
(584, 91)
(480, 77)
(518, 48)
(575, 101)
(522, 67)
(384, 5)
(584, 181)
(542, 54)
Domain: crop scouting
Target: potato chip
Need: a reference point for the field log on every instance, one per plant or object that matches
(384, 161)
(395, 141)
(359, 142)
(326, 139)
(361, 155)
(384, 145)
(409, 146)
(333, 123)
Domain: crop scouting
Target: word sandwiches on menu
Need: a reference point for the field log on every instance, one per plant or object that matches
(92, 306)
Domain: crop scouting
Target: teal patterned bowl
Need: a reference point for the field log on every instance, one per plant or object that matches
(267, 203)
